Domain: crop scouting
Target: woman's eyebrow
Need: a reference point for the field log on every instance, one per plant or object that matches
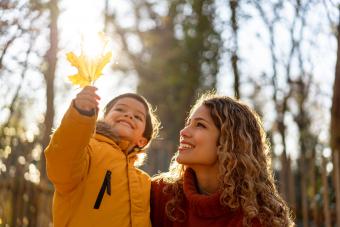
(199, 119)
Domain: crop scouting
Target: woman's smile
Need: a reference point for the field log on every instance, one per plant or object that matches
(185, 146)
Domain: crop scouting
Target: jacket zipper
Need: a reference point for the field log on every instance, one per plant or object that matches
(106, 186)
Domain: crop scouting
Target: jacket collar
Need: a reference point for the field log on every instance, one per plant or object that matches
(105, 133)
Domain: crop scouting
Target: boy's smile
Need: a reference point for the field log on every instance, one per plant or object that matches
(126, 123)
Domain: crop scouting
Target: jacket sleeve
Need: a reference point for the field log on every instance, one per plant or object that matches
(67, 155)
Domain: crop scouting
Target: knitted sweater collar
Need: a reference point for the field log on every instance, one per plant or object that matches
(208, 206)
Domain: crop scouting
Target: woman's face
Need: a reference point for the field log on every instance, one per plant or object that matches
(198, 140)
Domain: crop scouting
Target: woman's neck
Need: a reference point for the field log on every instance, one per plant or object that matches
(207, 180)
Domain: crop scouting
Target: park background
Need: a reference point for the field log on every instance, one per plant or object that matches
(280, 57)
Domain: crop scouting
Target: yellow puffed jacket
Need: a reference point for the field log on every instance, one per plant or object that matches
(96, 183)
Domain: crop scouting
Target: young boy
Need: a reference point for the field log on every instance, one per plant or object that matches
(92, 164)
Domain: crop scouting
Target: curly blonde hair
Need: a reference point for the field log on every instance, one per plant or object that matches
(246, 178)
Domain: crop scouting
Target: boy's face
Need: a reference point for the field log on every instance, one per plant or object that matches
(127, 117)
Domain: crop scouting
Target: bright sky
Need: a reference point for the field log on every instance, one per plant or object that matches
(86, 20)
(254, 51)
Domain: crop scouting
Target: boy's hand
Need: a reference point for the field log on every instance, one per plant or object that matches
(87, 99)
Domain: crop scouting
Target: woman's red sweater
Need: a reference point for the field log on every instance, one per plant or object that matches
(200, 210)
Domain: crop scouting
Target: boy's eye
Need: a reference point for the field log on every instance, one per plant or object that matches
(138, 117)
(119, 109)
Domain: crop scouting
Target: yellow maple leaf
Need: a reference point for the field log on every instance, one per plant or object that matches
(89, 68)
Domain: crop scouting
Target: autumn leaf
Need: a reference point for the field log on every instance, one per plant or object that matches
(89, 68)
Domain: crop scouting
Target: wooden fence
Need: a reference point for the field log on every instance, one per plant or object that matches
(25, 204)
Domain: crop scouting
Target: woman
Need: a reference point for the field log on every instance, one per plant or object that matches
(221, 174)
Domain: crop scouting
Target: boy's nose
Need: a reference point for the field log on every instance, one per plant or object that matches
(128, 114)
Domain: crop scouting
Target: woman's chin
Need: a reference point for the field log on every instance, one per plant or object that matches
(181, 160)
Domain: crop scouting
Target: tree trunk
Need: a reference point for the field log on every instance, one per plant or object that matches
(336, 172)
(325, 194)
(291, 186)
(17, 198)
(304, 190)
(335, 128)
(49, 75)
(234, 58)
(281, 127)
(314, 204)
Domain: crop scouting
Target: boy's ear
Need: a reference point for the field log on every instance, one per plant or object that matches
(142, 142)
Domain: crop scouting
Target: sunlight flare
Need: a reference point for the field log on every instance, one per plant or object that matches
(92, 59)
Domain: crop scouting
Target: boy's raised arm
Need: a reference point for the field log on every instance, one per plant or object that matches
(67, 157)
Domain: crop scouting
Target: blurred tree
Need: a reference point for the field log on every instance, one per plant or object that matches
(49, 75)
(291, 81)
(325, 195)
(307, 143)
(335, 125)
(234, 4)
(23, 25)
(17, 29)
(179, 56)
(280, 94)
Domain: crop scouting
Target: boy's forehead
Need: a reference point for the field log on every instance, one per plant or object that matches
(131, 103)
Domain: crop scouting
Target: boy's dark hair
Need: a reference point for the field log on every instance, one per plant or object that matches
(152, 124)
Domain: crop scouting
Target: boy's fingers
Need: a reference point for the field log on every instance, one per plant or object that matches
(89, 92)
(87, 99)
(88, 95)
(90, 88)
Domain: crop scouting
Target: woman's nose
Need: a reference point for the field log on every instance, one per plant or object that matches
(185, 132)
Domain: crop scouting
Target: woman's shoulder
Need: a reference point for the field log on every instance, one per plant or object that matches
(158, 200)
(158, 184)
(161, 189)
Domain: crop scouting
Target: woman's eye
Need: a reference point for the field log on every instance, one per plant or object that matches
(200, 125)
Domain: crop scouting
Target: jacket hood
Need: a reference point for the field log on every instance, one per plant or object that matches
(106, 130)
